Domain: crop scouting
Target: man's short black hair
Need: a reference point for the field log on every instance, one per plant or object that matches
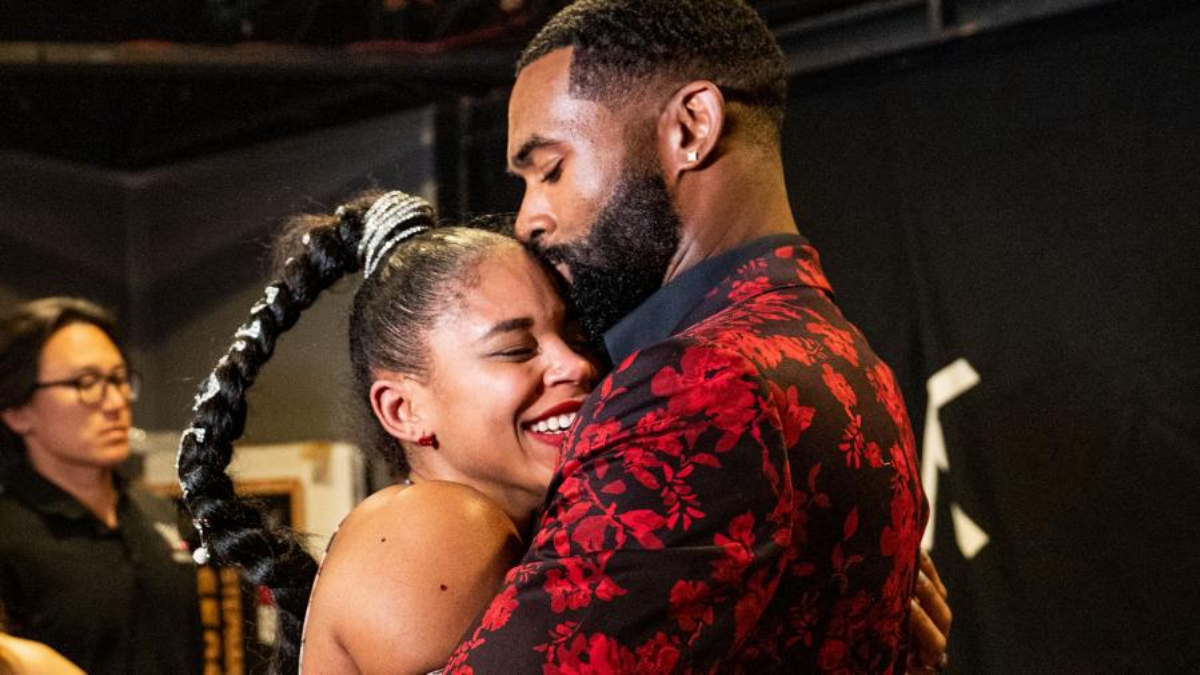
(625, 49)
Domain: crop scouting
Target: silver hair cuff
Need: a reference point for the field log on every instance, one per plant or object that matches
(201, 554)
(382, 223)
(211, 388)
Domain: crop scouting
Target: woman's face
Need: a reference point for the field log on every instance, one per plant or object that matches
(504, 384)
(60, 432)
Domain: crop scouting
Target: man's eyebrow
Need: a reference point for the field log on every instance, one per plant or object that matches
(508, 326)
(520, 158)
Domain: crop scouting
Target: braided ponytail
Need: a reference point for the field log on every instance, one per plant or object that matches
(409, 281)
(234, 531)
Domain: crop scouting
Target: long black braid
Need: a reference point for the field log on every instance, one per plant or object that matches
(392, 310)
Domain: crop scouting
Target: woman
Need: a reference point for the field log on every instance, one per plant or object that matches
(88, 565)
(457, 345)
(458, 351)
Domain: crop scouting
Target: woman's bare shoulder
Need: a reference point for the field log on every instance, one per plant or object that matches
(420, 513)
(408, 571)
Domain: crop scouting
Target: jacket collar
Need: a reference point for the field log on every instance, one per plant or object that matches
(769, 263)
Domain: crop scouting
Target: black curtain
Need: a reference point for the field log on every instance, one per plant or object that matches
(1029, 204)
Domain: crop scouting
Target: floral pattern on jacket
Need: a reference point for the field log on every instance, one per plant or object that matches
(741, 497)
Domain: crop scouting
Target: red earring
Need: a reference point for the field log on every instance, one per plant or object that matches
(429, 441)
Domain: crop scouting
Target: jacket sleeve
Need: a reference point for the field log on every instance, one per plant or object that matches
(665, 531)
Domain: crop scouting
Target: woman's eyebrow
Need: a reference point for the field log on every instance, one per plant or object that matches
(89, 371)
(508, 326)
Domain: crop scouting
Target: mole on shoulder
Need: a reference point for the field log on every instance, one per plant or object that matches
(444, 587)
(382, 539)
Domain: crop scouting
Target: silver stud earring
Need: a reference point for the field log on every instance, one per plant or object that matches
(693, 156)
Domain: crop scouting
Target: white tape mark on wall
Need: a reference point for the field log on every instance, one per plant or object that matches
(943, 387)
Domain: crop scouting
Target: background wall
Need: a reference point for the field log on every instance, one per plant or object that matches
(181, 251)
(1032, 205)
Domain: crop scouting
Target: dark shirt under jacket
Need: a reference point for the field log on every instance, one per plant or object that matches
(118, 600)
(740, 494)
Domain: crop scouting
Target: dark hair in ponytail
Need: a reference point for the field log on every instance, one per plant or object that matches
(393, 309)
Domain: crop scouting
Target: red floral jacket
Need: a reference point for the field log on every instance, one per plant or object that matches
(741, 496)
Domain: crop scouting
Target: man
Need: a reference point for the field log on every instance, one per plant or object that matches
(741, 493)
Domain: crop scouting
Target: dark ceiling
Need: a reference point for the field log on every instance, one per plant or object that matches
(132, 84)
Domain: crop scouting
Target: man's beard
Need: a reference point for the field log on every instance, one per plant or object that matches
(624, 259)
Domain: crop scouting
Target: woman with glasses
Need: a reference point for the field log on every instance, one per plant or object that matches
(88, 565)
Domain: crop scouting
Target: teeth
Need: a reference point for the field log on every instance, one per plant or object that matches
(554, 425)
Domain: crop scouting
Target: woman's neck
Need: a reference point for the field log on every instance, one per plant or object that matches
(92, 486)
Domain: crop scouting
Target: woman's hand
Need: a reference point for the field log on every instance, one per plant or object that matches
(930, 621)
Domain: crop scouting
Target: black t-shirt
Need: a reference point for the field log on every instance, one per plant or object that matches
(111, 600)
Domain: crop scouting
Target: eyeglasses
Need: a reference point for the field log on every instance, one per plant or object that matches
(91, 388)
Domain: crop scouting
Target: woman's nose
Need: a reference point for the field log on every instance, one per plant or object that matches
(573, 368)
(114, 400)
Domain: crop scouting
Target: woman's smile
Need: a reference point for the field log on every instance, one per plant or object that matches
(551, 426)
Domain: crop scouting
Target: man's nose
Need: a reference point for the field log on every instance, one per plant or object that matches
(534, 220)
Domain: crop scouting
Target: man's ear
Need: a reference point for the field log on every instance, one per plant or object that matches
(395, 402)
(690, 127)
(20, 419)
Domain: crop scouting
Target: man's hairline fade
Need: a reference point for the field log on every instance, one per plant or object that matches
(617, 88)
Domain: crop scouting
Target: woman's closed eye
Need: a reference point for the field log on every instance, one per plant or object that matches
(516, 352)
